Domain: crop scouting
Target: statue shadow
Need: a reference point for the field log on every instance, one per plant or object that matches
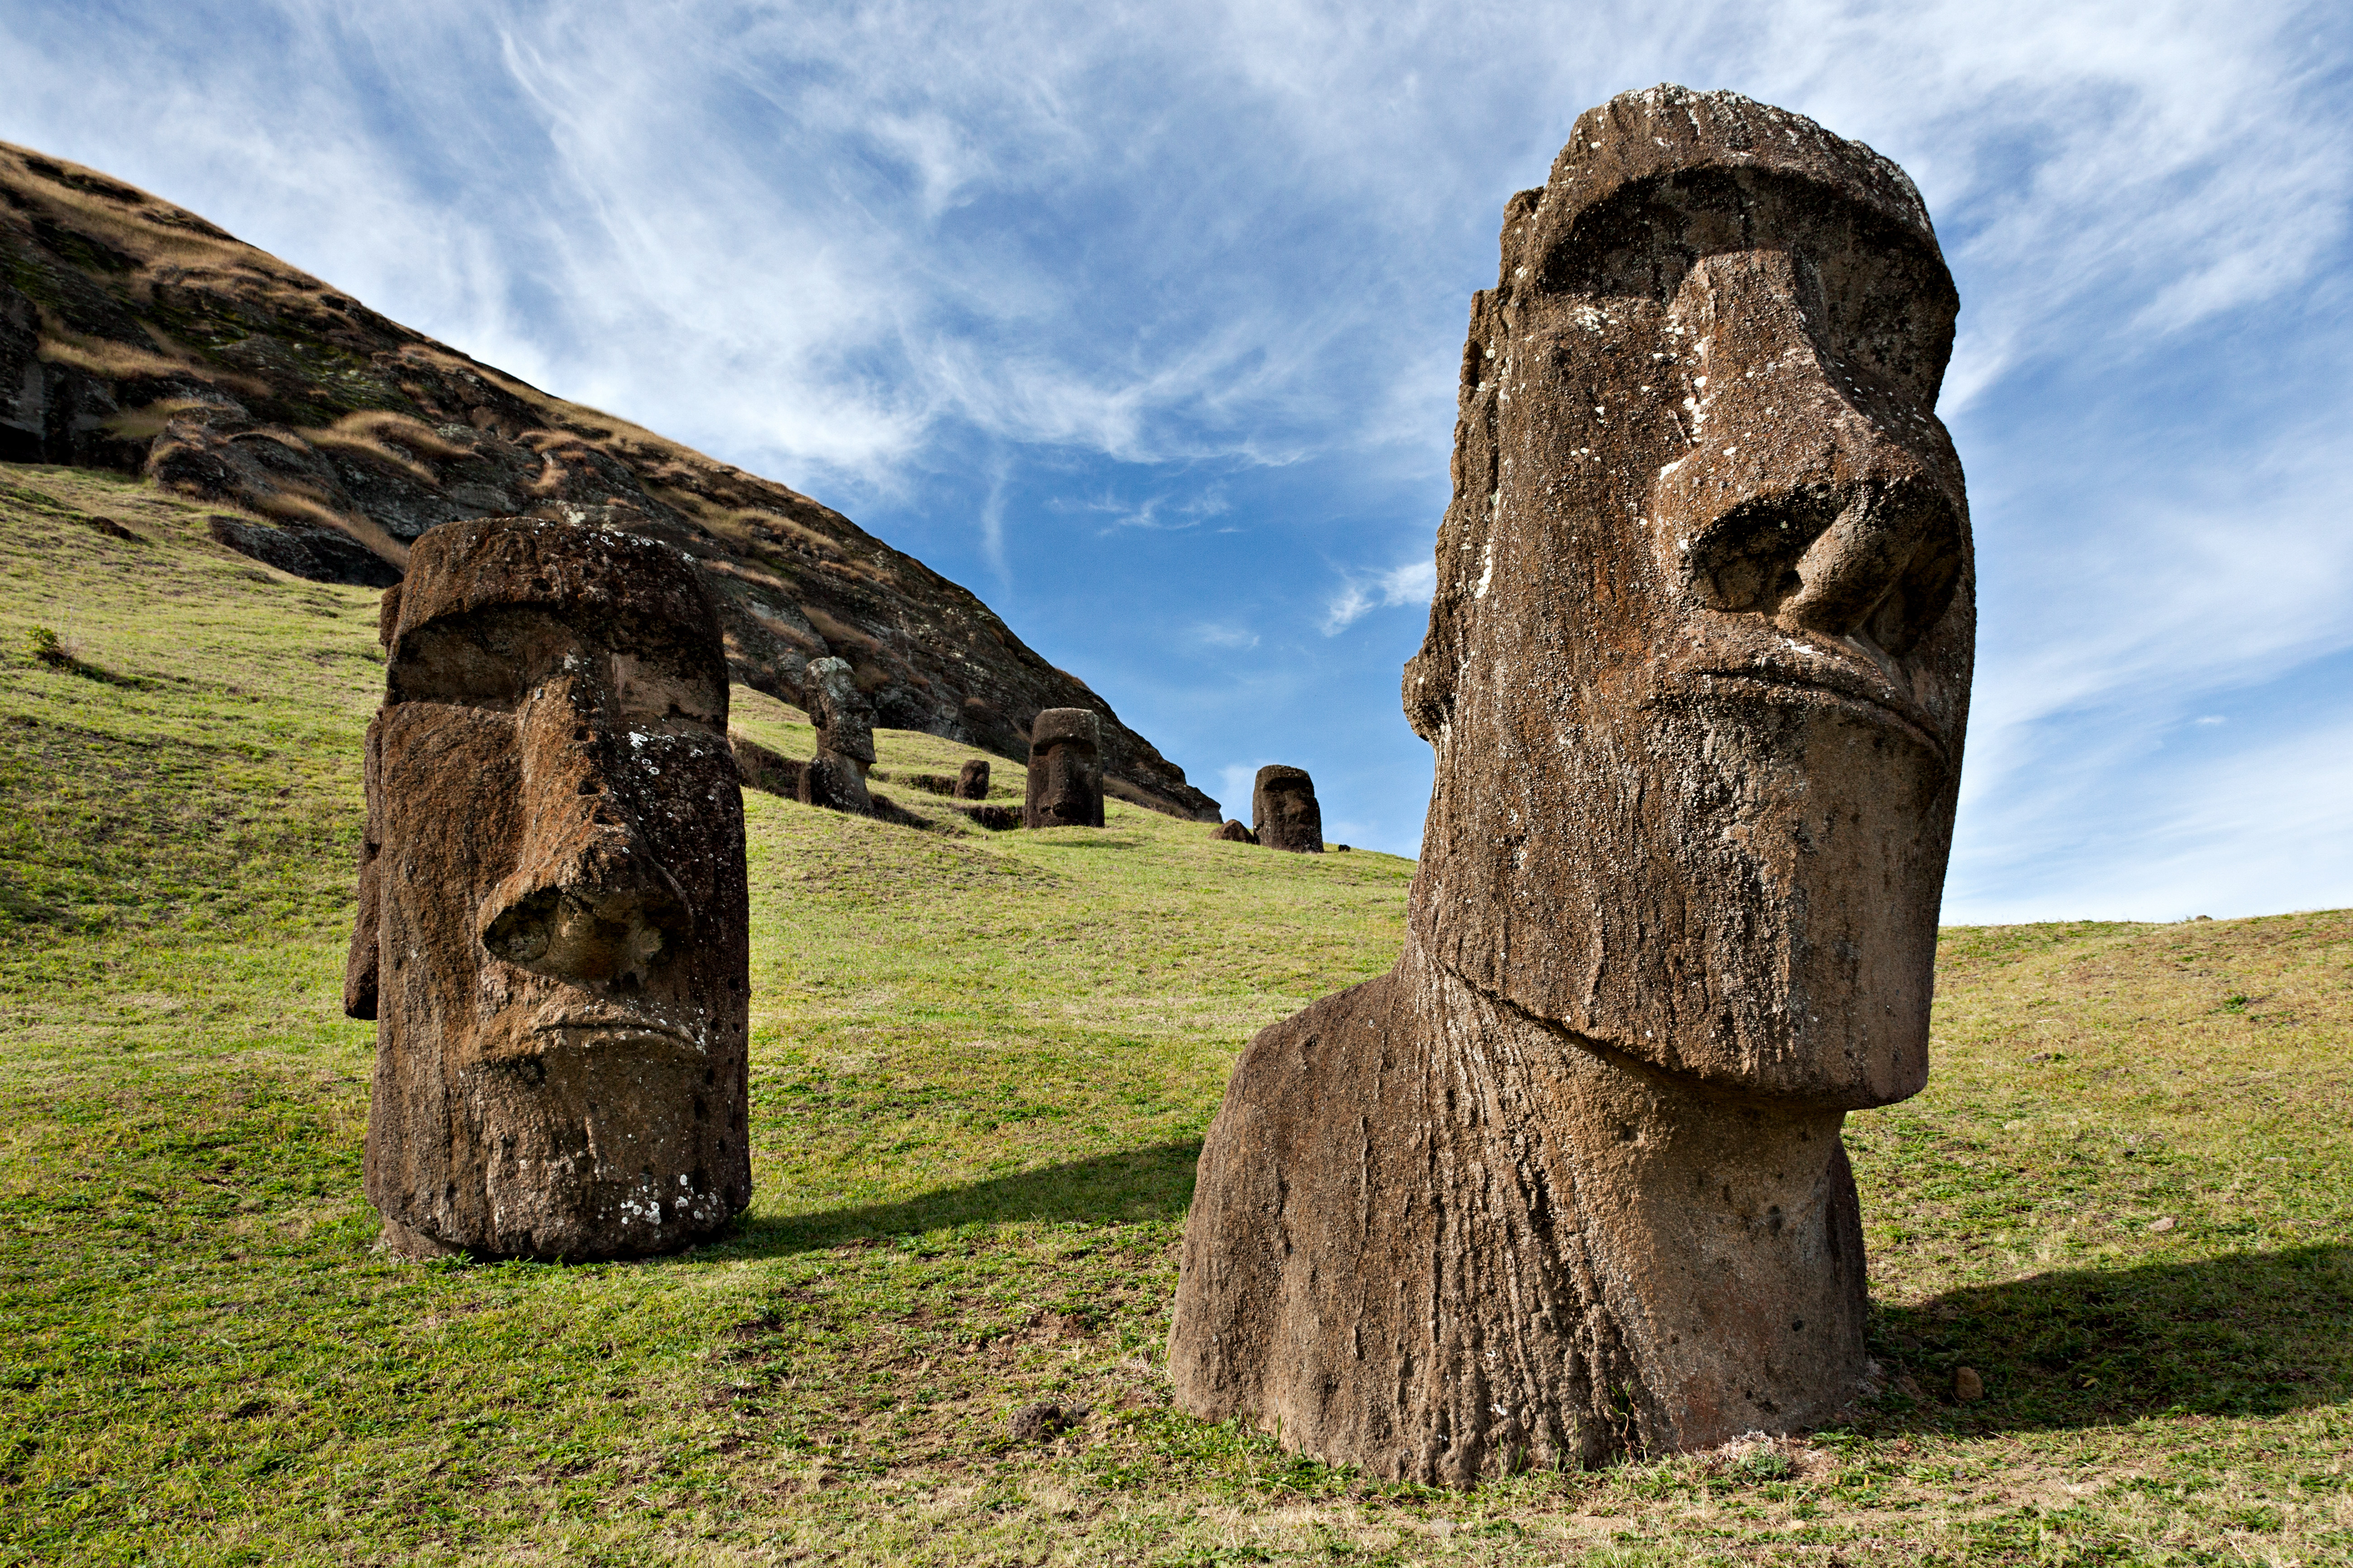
(1154, 1183)
(2245, 1334)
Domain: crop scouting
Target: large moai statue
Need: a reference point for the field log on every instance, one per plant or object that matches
(1284, 813)
(844, 721)
(1065, 770)
(552, 929)
(1569, 1180)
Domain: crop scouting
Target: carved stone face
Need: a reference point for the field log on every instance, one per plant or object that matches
(1065, 784)
(559, 940)
(1698, 665)
(1284, 810)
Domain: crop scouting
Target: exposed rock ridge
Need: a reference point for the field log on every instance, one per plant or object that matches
(136, 336)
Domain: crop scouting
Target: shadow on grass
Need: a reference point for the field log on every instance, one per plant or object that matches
(2249, 1334)
(1135, 1184)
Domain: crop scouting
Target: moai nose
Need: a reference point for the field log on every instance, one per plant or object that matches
(1814, 491)
(587, 901)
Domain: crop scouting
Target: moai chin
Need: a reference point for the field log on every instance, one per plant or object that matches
(1569, 1180)
(1065, 787)
(552, 929)
(972, 779)
(844, 721)
(1284, 813)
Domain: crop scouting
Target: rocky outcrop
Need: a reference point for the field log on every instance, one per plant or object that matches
(1567, 1183)
(553, 933)
(136, 336)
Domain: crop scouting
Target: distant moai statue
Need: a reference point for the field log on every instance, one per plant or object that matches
(972, 779)
(553, 926)
(1233, 832)
(1065, 785)
(1568, 1181)
(844, 721)
(1284, 813)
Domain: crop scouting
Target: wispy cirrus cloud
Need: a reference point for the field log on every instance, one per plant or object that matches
(1411, 584)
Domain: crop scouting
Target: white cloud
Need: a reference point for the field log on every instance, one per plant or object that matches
(1222, 634)
(1411, 584)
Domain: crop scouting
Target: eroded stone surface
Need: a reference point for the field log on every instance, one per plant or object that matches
(1066, 782)
(1568, 1182)
(1233, 832)
(1284, 813)
(552, 929)
(972, 779)
(835, 777)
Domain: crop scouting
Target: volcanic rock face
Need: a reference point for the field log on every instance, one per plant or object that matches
(136, 336)
(835, 777)
(972, 779)
(1569, 1180)
(1066, 786)
(553, 923)
(1284, 813)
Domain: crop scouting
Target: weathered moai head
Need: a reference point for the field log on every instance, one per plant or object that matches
(1065, 770)
(1284, 812)
(1698, 665)
(972, 779)
(552, 930)
(844, 721)
(1233, 832)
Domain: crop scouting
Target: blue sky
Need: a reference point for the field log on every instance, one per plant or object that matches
(1142, 322)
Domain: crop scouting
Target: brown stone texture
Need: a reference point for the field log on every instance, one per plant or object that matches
(1567, 1183)
(1284, 813)
(553, 925)
(1233, 832)
(136, 336)
(1066, 782)
(835, 777)
(972, 779)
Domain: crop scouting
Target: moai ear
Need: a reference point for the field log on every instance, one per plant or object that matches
(360, 966)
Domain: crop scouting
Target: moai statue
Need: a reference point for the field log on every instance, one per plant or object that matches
(835, 777)
(972, 779)
(1284, 813)
(551, 934)
(1065, 770)
(1569, 1180)
(1233, 832)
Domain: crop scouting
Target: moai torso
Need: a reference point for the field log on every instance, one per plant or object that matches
(1284, 813)
(1568, 1182)
(553, 928)
(1065, 784)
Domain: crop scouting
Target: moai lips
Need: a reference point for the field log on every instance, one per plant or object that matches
(1065, 785)
(1284, 813)
(553, 926)
(844, 721)
(1568, 1182)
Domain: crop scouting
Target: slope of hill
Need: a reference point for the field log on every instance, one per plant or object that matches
(981, 1065)
(136, 336)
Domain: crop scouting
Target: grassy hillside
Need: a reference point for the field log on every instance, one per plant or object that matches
(981, 1067)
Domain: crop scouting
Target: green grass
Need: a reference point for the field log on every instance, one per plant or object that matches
(981, 1067)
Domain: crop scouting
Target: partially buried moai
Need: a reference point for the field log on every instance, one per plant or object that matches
(1284, 813)
(1569, 1180)
(972, 779)
(844, 721)
(1065, 787)
(552, 930)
